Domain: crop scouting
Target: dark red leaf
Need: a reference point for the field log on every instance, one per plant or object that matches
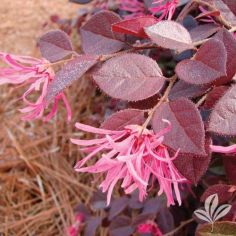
(208, 65)
(152, 205)
(55, 45)
(213, 96)
(223, 191)
(91, 225)
(97, 37)
(225, 12)
(186, 123)
(223, 117)
(193, 167)
(80, 1)
(130, 77)
(231, 4)
(165, 220)
(134, 26)
(229, 41)
(117, 206)
(120, 119)
(72, 71)
(170, 34)
(203, 31)
(230, 167)
(121, 225)
(146, 103)
(183, 89)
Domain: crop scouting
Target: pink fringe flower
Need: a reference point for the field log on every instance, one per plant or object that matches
(75, 229)
(226, 150)
(36, 73)
(149, 227)
(133, 157)
(136, 8)
(166, 8)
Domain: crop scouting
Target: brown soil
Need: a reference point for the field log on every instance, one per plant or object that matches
(21, 21)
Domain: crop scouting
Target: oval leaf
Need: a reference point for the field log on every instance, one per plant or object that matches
(55, 45)
(170, 34)
(120, 119)
(72, 71)
(203, 215)
(186, 123)
(208, 65)
(134, 26)
(223, 117)
(130, 77)
(97, 37)
(230, 167)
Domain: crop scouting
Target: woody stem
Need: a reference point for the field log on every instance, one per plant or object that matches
(163, 99)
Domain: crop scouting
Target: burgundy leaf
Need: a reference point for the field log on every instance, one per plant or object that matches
(223, 191)
(142, 218)
(231, 4)
(214, 96)
(183, 89)
(121, 225)
(146, 103)
(120, 119)
(193, 167)
(91, 225)
(229, 41)
(130, 77)
(55, 45)
(97, 37)
(98, 200)
(170, 34)
(203, 31)
(152, 206)
(117, 206)
(230, 167)
(81, 1)
(225, 12)
(208, 65)
(165, 220)
(186, 123)
(223, 117)
(72, 71)
(134, 26)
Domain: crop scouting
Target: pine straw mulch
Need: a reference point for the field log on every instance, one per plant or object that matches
(39, 188)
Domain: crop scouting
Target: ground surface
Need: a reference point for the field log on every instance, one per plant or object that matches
(21, 21)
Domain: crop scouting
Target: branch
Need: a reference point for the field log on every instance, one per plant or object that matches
(182, 224)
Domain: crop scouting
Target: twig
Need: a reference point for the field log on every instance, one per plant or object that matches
(163, 99)
(182, 224)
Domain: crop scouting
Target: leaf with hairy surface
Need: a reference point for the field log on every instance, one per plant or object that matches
(223, 191)
(170, 34)
(55, 45)
(208, 65)
(72, 71)
(186, 123)
(223, 117)
(119, 120)
(230, 167)
(229, 41)
(134, 26)
(97, 37)
(130, 77)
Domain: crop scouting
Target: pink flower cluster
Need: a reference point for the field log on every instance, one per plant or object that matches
(149, 227)
(36, 73)
(164, 8)
(75, 229)
(226, 150)
(134, 155)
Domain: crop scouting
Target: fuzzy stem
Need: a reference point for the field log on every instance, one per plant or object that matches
(164, 98)
(182, 224)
